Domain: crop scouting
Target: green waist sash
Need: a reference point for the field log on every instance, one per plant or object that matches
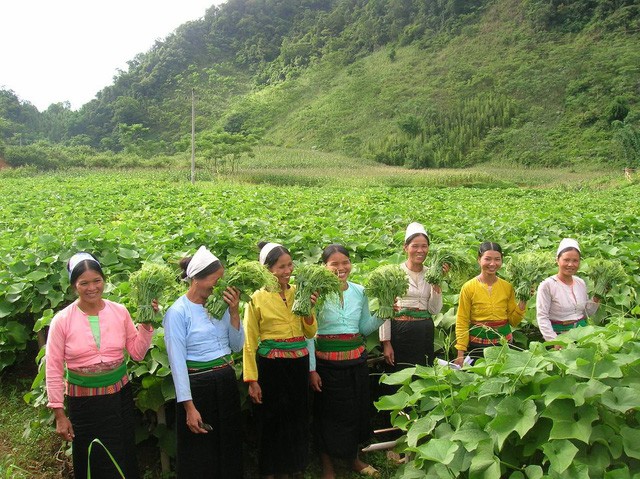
(266, 345)
(328, 345)
(97, 380)
(562, 327)
(214, 363)
(413, 313)
(489, 332)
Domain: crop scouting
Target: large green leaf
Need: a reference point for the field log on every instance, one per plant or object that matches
(622, 399)
(512, 415)
(398, 400)
(560, 454)
(570, 422)
(485, 464)
(420, 428)
(437, 450)
(631, 441)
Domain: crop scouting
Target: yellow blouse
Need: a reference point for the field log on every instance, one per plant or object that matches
(477, 304)
(269, 317)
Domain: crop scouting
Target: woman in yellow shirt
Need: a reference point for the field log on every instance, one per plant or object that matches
(276, 366)
(487, 308)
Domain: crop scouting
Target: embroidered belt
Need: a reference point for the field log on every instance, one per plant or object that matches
(490, 332)
(339, 347)
(96, 383)
(563, 326)
(283, 348)
(412, 314)
(201, 366)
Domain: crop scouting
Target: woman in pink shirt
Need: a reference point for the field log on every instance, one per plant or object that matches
(85, 362)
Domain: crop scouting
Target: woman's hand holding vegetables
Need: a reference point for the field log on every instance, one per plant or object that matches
(315, 381)
(255, 392)
(231, 296)
(459, 361)
(387, 351)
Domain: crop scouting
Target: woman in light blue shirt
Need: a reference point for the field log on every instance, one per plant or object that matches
(208, 419)
(339, 375)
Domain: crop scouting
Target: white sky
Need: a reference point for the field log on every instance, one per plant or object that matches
(67, 50)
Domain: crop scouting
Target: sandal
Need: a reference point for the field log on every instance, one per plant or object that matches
(370, 471)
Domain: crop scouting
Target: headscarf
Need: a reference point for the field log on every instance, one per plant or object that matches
(78, 258)
(413, 229)
(266, 249)
(200, 261)
(567, 243)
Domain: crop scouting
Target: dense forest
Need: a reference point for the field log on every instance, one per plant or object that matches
(439, 83)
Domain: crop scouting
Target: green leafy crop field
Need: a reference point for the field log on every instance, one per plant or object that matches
(125, 219)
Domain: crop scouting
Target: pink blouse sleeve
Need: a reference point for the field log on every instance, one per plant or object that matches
(54, 361)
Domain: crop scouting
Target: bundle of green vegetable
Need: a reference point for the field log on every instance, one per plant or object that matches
(459, 266)
(247, 276)
(605, 274)
(150, 282)
(525, 270)
(313, 278)
(386, 283)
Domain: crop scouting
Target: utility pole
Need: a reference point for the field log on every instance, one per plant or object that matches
(193, 137)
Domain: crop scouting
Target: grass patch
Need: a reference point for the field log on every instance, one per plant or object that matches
(38, 455)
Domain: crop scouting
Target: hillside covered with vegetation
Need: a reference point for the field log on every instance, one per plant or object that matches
(444, 83)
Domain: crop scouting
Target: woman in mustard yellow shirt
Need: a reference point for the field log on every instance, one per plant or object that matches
(487, 308)
(276, 366)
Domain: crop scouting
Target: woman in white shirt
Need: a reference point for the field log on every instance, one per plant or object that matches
(562, 302)
(408, 339)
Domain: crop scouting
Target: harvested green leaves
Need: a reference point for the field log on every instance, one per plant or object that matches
(247, 276)
(525, 271)
(150, 282)
(313, 278)
(386, 283)
(605, 274)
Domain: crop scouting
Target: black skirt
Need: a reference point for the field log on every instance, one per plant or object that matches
(283, 416)
(341, 412)
(412, 343)
(109, 418)
(218, 453)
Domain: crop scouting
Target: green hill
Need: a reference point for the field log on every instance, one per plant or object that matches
(445, 83)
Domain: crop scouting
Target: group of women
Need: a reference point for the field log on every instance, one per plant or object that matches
(283, 356)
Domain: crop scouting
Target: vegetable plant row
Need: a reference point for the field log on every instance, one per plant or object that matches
(127, 221)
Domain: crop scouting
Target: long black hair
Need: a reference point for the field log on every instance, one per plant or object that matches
(489, 246)
(334, 248)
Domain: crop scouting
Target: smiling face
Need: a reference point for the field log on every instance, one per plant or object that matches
(417, 249)
(490, 262)
(89, 287)
(568, 262)
(205, 285)
(340, 264)
(282, 269)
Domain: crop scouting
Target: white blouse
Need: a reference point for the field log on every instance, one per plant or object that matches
(420, 295)
(557, 301)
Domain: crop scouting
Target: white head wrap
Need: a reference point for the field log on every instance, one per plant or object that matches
(266, 249)
(567, 243)
(200, 261)
(415, 228)
(78, 258)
